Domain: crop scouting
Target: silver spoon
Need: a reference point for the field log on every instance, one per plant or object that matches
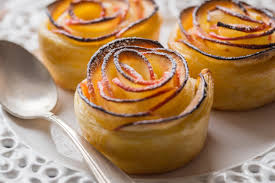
(27, 91)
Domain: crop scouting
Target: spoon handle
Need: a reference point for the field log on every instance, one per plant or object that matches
(104, 170)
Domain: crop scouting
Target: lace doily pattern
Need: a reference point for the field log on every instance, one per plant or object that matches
(261, 169)
(19, 20)
(19, 163)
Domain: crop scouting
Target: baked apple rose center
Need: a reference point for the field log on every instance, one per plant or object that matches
(94, 20)
(139, 81)
(83, 12)
(227, 28)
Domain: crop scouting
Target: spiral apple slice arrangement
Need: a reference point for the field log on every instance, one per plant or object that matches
(227, 26)
(78, 28)
(237, 43)
(136, 88)
(93, 20)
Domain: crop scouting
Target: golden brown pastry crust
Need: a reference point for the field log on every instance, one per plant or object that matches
(140, 108)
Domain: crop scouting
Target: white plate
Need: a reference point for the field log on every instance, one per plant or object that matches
(233, 138)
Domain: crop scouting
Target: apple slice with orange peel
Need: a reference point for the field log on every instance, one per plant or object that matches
(236, 41)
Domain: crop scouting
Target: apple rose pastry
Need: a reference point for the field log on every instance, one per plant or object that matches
(75, 29)
(140, 108)
(236, 42)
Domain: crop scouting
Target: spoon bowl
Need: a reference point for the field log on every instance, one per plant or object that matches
(27, 89)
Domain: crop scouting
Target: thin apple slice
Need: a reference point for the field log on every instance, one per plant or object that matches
(117, 76)
(236, 30)
(91, 20)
